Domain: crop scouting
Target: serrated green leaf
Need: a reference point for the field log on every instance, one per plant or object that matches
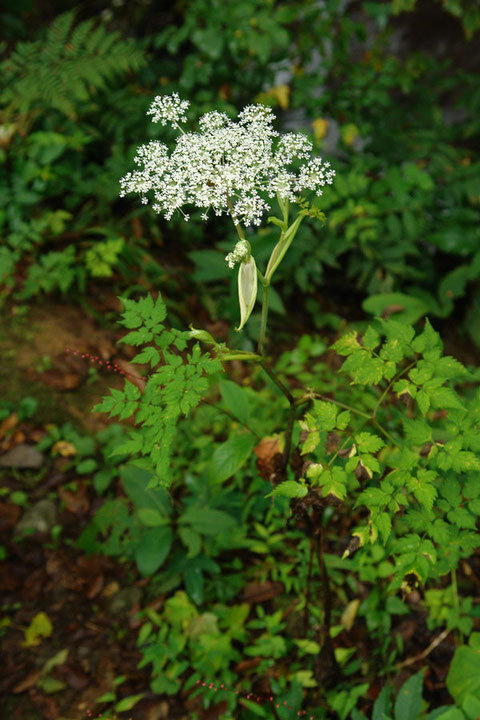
(366, 442)
(429, 339)
(148, 355)
(445, 397)
(423, 401)
(383, 524)
(312, 441)
(371, 339)
(325, 414)
(448, 367)
(363, 369)
(347, 344)
(343, 420)
(333, 482)
(289, 489)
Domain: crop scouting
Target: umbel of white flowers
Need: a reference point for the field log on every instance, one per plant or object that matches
(224, 166)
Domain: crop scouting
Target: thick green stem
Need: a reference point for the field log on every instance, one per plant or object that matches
(263, 322)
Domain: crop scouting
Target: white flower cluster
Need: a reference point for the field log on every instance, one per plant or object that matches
(168, 109)
(225, 165)
(240, 253)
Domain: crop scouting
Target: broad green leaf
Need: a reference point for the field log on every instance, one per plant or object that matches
(231, 455)
(447, 712)
(408, 309)
(193, 577)
(135, 481)
(151, 517)
(464, 675)
(235, 399)
(471, 706)
(207, 521)
(381, 708)
(153, 549)
(191, 539)
(409, 699)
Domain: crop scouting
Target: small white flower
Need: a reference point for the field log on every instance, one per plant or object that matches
(168, 109)
(227, 166)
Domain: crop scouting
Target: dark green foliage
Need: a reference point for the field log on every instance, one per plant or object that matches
(62, 70)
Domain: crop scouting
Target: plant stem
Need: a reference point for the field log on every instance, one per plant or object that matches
(263, 322)
(288, 436)
(273, 376)
(291, 411)
(238, 227)
(309, 581)
(383, 431)
(397, 377)
(327, 669)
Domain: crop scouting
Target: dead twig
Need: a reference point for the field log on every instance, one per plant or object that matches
(425, 653)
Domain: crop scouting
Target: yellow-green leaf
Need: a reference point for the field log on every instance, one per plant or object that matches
(39, 628)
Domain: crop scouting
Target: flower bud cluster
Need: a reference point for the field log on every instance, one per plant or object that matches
(240, 253)
(225, 165)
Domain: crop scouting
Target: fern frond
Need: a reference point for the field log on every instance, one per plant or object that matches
(67, 67)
